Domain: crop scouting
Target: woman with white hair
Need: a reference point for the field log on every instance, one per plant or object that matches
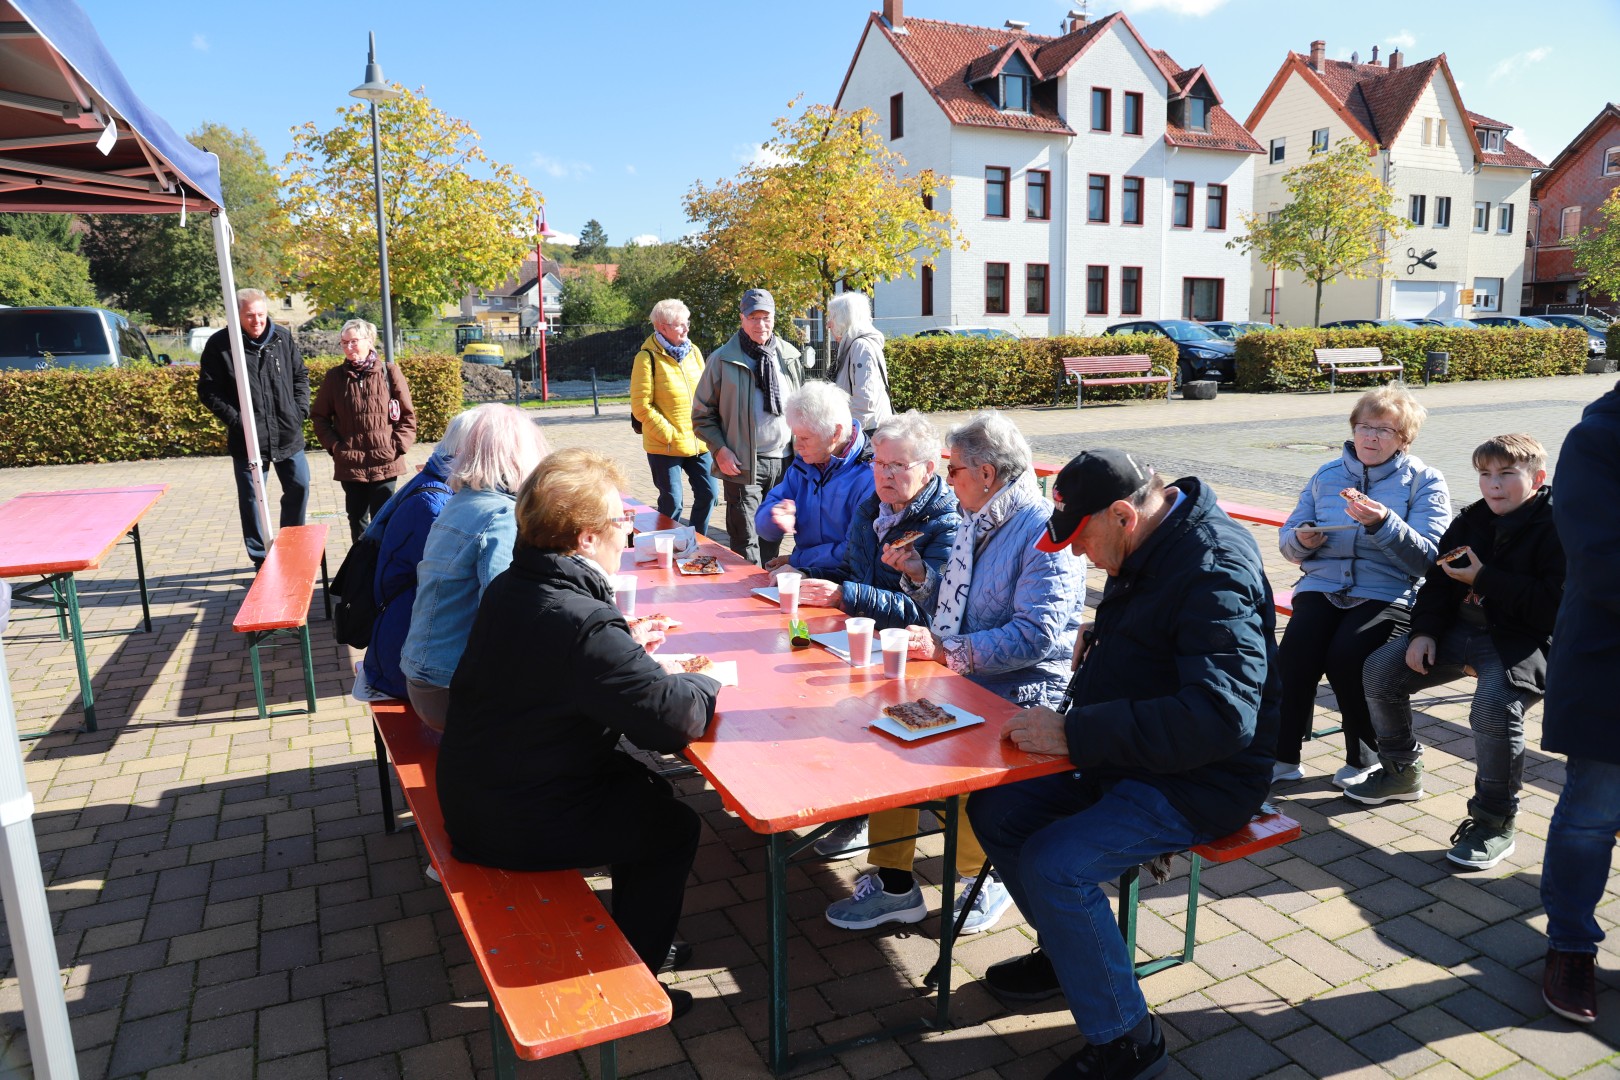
(663, 377)
(468, 545)
(362, 415)
(828, 478)
(862, 373)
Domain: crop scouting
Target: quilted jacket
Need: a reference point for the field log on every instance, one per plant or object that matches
(351, 419)
(870, 588)
(824, 503)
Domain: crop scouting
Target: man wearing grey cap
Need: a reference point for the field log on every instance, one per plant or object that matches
(737, 411)
(1171, 725)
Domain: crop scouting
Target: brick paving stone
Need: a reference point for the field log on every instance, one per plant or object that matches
(1509, 943)
(1195, 1016)
(1415, 983)
(1322, 1053)
(1557, 1046)
(1418, 938)
(147, 1043)
(1351, 1009)
(1238, 1054)
(209, 1037)
(1234, 954)
(231, 1063)
(1473, 1053)
(1290, 981)
(1394, 1050)
(290, 1029)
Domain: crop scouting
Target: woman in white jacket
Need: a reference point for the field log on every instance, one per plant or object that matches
(862, 373)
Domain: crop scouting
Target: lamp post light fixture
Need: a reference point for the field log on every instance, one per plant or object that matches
(375, 90)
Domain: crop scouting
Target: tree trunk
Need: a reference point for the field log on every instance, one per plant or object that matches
(1317, 321)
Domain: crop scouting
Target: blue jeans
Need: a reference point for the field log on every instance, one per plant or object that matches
(294, 476)
(1575, 866)
(1055, 842)
(666, 474)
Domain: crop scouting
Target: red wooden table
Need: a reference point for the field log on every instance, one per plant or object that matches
(57, 534)
(792, 746)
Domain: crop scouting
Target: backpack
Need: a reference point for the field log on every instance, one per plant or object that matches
(635, 425)
(357, 607)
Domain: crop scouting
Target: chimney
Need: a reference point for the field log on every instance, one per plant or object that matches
(1078, 20)
(1397, 59)
(1017, 26)
(1318, 56)
(1375, 55)
(894, 14)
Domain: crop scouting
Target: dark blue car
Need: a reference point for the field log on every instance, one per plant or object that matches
(1201, 354)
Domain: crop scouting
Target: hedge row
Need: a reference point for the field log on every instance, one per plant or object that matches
(65, 416)
(1284, 359)
(935, 374)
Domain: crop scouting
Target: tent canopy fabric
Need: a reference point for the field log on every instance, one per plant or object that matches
(59, 89)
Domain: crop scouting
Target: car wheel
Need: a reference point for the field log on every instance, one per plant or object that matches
(1185, 373)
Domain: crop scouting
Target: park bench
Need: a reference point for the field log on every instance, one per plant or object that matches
(1110, 371)
(1360, 361)
(1267, 829)
(560, 975)
(277, 604)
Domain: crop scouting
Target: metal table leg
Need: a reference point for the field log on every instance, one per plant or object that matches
(140, 576)
(776, 930)
(77, 626)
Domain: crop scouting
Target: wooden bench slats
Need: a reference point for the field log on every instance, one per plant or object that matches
(559, 972)
(280, 595)
(1083, 371)
(1365, 359)
(1264, 831)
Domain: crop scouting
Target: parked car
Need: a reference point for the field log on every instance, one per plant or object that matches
(1369, 324)
(1443, 321)
(1597, 331)
(1517, 322)
(85, 337)
(967, 331)
(1231, 331)
(1200, 353)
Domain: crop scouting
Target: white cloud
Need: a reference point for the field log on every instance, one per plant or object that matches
(1519, 61)
(1402, 40)
(567, 239)
(644, 240)
(200, 42)
(555, 167)
(757, 154)
(631, 169)
(1194, 8)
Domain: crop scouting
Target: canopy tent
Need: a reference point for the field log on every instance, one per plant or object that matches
(74, 138)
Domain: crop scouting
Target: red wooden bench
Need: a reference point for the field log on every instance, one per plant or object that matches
(278, 604)
(1111, 371)
(1259, 515)
(560, 975)
(1355, 361)
(1267, 829)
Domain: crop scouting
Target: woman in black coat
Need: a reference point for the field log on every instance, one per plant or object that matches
(529, 773)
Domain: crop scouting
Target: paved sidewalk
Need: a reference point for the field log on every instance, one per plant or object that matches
(227, 904)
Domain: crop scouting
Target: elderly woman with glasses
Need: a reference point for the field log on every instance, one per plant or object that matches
(362, 415)
(823, 484)
(1000, 612)
(663, 376)
(1364, 533)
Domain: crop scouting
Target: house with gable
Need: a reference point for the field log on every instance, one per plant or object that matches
(1462, 185)
(1567, 196)
(1094, 178)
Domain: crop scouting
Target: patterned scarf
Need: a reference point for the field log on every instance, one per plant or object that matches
(677, 351)
(770, 380)
(971, 537)
(360, 367)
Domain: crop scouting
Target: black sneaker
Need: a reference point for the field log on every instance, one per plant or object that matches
(680, 1002)
(1023, 978)
(1121, 1059)
(679, 953)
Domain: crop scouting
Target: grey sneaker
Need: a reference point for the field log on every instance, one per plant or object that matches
(871, 906)
(1389, 783)
(1480, 845)
(1284, 771)
(846, 841)
(988, 907)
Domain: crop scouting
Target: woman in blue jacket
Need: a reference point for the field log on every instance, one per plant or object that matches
(830, 475)
(1364, 534)
(470, 542)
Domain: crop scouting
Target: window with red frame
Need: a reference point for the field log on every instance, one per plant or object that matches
(1102, 107)
(1038, 194)
(995, 288)
(1096, 290)
(997, 179)
(1130, 290)
(1215, 207)
(1133, 113)
(1181, 205)
(1202, 298)
(897, 116)
(1130, 210)
(927, 277)
(1036, 297)
(1097, 198)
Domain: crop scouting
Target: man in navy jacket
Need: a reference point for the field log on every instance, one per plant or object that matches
(1172, 731)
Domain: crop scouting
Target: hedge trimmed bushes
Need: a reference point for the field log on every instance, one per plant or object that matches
(1284, 359)
(65, 416)
(935, 374)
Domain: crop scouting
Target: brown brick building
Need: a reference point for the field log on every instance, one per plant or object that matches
(1564, 200)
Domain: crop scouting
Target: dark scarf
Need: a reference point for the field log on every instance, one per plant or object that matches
(360, 367)
(765, 372)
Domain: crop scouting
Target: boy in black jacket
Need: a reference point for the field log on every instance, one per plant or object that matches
(1489, 611)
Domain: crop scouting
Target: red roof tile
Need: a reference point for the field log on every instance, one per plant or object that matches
(1512, 156)
(1482, 120)
(941, 53)
(1224, 133)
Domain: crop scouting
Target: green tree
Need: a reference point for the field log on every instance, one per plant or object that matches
(1596, 250)
(1336, 224)
(37, 272)
(593, 241)
(54, 229)
(834, 210)
(455, 219)
(588, 299)
(259, 250)
(647, 274)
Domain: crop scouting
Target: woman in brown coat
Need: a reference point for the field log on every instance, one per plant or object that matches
(363, 416)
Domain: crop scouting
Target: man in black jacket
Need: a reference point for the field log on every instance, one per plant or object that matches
(1173, 731)
(278, 385)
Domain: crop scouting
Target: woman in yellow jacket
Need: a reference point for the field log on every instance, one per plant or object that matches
(662, 378)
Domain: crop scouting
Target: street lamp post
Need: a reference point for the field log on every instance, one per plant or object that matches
(541, 231)
(375, 90)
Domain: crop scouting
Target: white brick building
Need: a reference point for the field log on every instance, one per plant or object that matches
(1463, 187)
(1094, 178)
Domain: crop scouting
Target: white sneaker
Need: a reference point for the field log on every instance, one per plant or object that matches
(431, 874)
(988, 907)
(846, 841)
(1350, 775)
(1282, 771)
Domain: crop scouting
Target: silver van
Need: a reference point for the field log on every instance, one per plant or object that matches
(35, 338)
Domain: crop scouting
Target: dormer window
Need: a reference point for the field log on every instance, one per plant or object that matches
(1015, 93)
(1490, 139)
(1192, 112)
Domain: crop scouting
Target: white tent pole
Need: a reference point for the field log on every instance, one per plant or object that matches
(244, 395)
(28, 919)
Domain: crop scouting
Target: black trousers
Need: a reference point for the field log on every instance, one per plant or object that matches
(1324, 639)
(361, 501)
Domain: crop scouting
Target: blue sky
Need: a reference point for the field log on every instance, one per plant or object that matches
(613, 110)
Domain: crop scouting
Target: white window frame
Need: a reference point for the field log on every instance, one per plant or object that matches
(1485, 298)
(1319, 141)
(1279, 150)
(1415, 210)
(1270, 303)
(1442, 211)
(1566, 230)
(1504, 218)
(1482, 217)
(1611, 161)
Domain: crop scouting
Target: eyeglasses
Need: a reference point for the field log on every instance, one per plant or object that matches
(894, 468)
(1372, 432)
(952, 470)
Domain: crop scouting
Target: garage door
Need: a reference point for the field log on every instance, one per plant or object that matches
(1423, 299)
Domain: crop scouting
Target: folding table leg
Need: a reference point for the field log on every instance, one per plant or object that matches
(254, 637)
(608, 1055)
(326, 588)
(776, 916)
(59, 602)
(76, 624)
(309, 665)
(504, 1053)
(385, 783)
(140, 576)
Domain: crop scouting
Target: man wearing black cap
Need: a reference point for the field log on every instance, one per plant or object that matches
(737, 411)
(1171, 730)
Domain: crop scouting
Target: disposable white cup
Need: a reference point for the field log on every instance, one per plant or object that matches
(860, 640)
(896, 642)
(624, 594)
(787, 593)
(664, 547)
